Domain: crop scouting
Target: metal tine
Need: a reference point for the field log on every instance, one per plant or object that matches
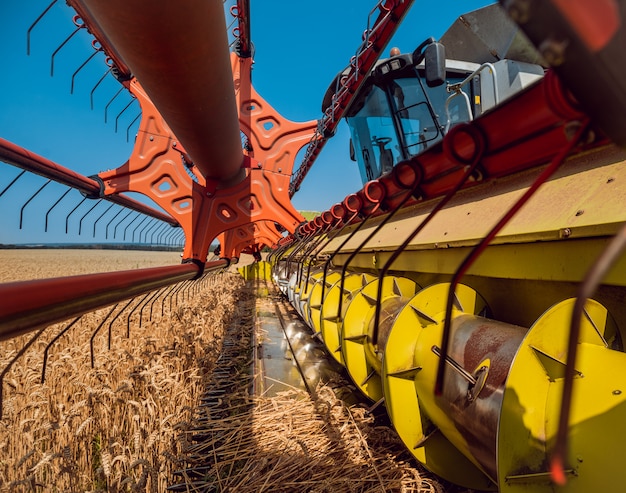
(151, 220)
(67, 218)
(106, 231)
(128, 225)
(158, 230)
(176, 241)
(100, 217)
(54, 54)
(479, 248)
(181, 289)
(187, 289)
(314, 243)
(470, 169)
(89, 58)
(155, 295)
(594, 276)
(162, 291)
(12, 362)
(298, 245)
(131, 314)
(332, 255)
(155, 223)
(172, 238)
(338, 228)
(175, 293)
(345, 266)
(12, 182)
(120, 222)
(167, 295)
(106, 108)
(115, 318)
(166, 240)
(149, 226)
(145, 218)
(140, 232)
(31, 198)
(80, 223)
(51, 343)
(130, 125)
(53, 206)
(117, 118)
(169, 239)
(166, 234)
(96, 86)
(33, 25)
(161, 234)
(95, 332)
(153, 230)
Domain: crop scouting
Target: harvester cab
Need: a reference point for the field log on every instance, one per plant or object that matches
(410, 101)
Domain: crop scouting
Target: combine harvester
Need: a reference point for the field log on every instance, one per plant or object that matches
(474, 286)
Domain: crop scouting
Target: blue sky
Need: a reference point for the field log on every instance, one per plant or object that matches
(300, 46)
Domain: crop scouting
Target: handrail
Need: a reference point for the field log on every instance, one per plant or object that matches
(456, 90)
(376, 36)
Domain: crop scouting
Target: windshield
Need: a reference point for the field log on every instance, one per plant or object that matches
(395, 122)
(418, 128)
(374, 136)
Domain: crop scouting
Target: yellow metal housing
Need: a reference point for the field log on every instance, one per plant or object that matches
(362, 350)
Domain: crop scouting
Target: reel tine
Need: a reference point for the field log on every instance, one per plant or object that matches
(30, 199)
(30, 29)
(51, 343)
(95, 332)
(53, 206)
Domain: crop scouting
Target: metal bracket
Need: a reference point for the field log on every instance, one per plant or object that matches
(203, 210)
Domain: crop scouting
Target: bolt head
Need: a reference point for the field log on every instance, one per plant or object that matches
(553, 51)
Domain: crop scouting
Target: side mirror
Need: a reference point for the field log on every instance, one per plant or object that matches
(435, 64)
(352, 154)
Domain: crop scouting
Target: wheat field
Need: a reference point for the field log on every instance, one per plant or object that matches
(131, 421)
(25, 264)
(112, 427)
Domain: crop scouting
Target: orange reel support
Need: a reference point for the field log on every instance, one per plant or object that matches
(255, 235)
(157, 165)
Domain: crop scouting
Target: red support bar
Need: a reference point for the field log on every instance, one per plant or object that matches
(28, 305)
(105, 42)
(245, 43)
(179, 53)
(29, 161)
(390, 14)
